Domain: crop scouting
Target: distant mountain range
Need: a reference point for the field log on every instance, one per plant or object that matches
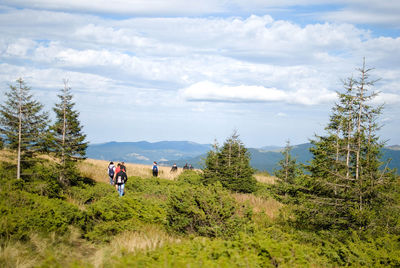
(181, 152)
(144, 152)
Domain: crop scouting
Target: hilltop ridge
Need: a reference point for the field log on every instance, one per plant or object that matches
(181, 152)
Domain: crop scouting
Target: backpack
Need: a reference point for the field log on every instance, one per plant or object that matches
(111, 171)
(155, 168)
(120, 179)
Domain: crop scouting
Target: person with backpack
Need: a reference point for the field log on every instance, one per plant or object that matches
(117, 169)
(123, 167)
(111, 172)
(155, 169)
(120, 180)
(174, 168)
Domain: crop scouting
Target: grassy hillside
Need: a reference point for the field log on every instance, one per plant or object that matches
(170, 221)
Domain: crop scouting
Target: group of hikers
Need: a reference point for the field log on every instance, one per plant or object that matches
(174, 168)
(118, 175)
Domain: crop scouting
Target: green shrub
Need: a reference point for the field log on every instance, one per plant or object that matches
(271, 248)
(86, 194)
(113, 214)
(150, 186)
(207, 211)
(190, 177)
(24, 212)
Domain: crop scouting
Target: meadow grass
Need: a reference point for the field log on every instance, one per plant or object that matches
(265, 178)
(7, 156)
(268, 206)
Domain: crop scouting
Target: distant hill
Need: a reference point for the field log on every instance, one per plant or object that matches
(180, 152)
(144, 152)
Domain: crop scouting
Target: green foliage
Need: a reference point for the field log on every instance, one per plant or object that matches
(290, 178)
(67, 140)
(230, 165)
(113, 214)
(207, 211)
(23, 123)
(347, 188)
(270, 248)
(24, 212)
(86, 194)
(40, 178)
(190, 177)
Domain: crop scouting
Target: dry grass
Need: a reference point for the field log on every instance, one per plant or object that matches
(265, 178)
(147, 239)
(97, 170)
(269, 206)
(49, 251)
(7, 156)
(16, 254)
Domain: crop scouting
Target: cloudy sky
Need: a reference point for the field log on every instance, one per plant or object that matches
(196, 70)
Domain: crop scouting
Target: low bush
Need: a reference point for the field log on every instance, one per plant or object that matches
(23, 212)
(208, 211)
(113, 214)
(86, 194)
(151, 186)
(190, 177)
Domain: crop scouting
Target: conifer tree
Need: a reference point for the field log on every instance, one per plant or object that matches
(289, 174)
(23, 123)
(347, 181)
(68, 142)
(230, 165)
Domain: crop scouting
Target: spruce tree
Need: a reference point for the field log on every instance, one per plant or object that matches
(347, 181)
(288, 175)
(230, 165)
(23, 123)
(68, 141)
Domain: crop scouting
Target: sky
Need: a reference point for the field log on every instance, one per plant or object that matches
(198, 70)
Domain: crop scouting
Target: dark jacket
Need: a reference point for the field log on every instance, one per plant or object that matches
(121, 177)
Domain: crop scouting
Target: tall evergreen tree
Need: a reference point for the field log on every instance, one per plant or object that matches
(230, 165)
(289, 169)
(346, 181)
(289, 175)
(23, 123)
(68, 142)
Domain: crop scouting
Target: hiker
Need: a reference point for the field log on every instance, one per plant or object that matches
(120, 180)
(174, 168)
(117, 170)
(123, 167)
(155, 169)
(186, 167)
(111, 172)
(190, 167)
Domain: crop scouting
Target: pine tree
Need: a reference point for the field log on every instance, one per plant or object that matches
(346, 181)
(68, 142)
(23, 123)
(289, 175)
(230, 165)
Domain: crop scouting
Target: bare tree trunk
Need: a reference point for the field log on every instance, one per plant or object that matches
(337, 156)
(358, 151)
(62, 175)
(229, 154)
(287, 165)
(19, 129)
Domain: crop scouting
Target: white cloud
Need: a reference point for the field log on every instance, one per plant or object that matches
(138, 156)
(131, 7)
(387, 98)
(210, 92)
